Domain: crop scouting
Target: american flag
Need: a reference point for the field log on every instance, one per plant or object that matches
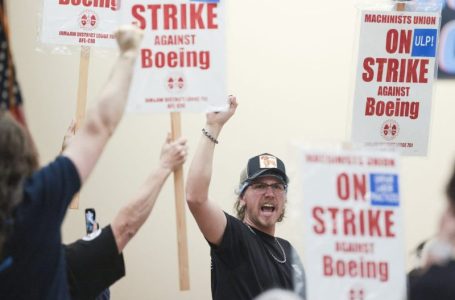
(10, 96)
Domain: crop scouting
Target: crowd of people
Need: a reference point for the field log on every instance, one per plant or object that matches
(248, 260)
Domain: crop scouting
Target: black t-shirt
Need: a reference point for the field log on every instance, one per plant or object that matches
(248, 262)
(93, 265)
(36, 268)
(436, 283)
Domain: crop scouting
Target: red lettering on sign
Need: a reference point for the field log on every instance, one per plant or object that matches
(172, 59)
(396, 70)
(173, 17)
(389, 223)
(112, 4)
(398, 41)
(395, 108)
(170, 16)
(355, 268)
(355, 182)
(319, 227)
(359, 222)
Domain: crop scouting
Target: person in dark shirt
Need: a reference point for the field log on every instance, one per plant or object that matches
(435, 278)
(33, 202)
(95, 262)
(247, 258)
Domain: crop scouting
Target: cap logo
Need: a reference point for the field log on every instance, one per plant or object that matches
(267, 162)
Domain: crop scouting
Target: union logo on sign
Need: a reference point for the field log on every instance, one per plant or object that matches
(175, 83)
(356, 294)
(390, 130)
(88, 20)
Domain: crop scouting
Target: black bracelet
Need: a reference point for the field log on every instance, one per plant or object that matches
(207, 134)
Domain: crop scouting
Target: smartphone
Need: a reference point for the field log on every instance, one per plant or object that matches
(90, 220)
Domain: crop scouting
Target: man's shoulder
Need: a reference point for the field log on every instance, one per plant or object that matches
(230, 217)
(234, 223)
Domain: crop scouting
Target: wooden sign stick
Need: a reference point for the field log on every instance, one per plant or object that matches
(81, 100)
(184, 279)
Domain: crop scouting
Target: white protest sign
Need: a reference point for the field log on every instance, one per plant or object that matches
(80, 22)
(182, 58)
(353, 238)
(394, 79)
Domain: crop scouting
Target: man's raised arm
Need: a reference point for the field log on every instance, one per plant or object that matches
(209, 217)
(104, 117)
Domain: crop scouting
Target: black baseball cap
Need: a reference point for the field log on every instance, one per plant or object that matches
(264, 164)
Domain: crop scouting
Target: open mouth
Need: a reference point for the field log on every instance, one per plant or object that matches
(270, 208)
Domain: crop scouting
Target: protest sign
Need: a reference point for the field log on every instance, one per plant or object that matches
(394, 79)
(353, 237)
(80, 22)
(84, 23)
(182, 58)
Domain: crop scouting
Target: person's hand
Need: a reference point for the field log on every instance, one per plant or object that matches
(69, 135)
(129, 37)
(173, 153)
(220, 118)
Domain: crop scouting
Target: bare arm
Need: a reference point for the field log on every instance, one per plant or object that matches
(132, 216)
(102, 119)
(209, 217)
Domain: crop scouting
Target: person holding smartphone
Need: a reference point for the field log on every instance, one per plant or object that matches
(96, 261)
(90, 224)
(93, 262)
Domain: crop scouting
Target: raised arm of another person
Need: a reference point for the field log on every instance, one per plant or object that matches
(132, 216)
(103, 118)
(96, 262)
(208, 215)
